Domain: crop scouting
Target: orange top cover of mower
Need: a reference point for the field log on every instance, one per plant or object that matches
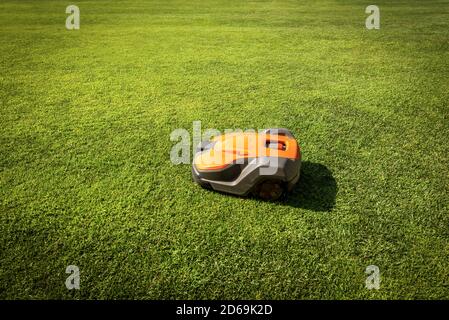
(231, 147)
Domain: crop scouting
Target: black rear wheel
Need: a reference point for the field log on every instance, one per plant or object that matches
(269, 190)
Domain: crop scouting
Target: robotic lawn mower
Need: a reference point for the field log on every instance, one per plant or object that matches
(265, 164)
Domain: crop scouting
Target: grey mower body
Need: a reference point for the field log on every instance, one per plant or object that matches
(265, 163)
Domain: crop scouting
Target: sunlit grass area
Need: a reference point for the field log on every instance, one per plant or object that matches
(86, 177)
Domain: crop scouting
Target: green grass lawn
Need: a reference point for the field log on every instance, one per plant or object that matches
(86, 177)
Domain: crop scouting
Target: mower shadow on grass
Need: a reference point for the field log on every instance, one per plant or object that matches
(316, 189)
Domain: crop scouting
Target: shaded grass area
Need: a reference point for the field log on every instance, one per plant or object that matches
(86, 177)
